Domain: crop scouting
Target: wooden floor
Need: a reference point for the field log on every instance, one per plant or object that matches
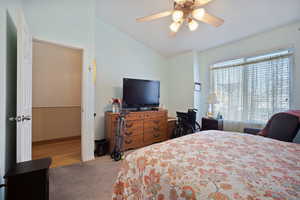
(63, 153)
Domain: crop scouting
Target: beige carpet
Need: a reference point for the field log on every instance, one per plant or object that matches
(85, 181)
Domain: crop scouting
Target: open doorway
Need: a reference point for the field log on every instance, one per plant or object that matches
(56, 102)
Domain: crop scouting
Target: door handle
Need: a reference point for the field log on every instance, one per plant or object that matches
(27, 118)
(128, 133)
(156, 135)
(15, 119)
(128, 141)
(156, 128)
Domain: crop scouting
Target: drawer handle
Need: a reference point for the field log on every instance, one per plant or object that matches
(128, 141)
(156, 121)
(156, 129)
(156, 135)
(129, 125)
(128, 133)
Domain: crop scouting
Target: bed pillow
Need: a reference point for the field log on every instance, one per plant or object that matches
(297, 138)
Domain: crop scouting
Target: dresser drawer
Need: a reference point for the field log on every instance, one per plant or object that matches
(130, 116)
(131, 142)
(154, 136)
(134, 124)
(134, 131)
(131, 127)
(154, 114)
(135, 116)
(157, 122)
(155, 129)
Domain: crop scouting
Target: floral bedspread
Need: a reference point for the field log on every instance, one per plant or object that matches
(212, 165)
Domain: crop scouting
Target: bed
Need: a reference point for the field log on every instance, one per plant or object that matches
(213, 165)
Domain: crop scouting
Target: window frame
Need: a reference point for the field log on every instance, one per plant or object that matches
(290, 53)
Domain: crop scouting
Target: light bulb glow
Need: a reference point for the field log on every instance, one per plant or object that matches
(193, 25)
(203, 1)
(198, 13)
(175, 26)
(177, 15)
(180, 1)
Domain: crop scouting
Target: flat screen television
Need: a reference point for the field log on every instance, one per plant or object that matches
(140, 93)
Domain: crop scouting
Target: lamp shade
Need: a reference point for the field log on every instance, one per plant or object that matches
(177, 15)
(193, 25)
(175, 26)
(213, 99)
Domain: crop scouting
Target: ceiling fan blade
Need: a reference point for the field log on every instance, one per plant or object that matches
(201, 2)
(211, 19)
(155, 16)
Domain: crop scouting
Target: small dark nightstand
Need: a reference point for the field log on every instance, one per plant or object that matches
(29, 180)
(211, 124)
(171, 126)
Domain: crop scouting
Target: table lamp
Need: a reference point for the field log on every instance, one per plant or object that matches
(212, 99)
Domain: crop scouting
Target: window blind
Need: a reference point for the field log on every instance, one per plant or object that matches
(253, 89)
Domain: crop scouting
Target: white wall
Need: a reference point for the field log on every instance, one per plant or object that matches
(56, 75)
(10, 6)
(71, 23)
(62, 21)
(181, 83)
(119, 56)
(279, 38)
(181, 73)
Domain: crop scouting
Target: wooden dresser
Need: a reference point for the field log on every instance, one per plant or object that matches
(142, 128)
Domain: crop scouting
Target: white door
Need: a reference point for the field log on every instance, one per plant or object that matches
(24, 90)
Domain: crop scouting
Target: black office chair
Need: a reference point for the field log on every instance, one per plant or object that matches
(283, 127)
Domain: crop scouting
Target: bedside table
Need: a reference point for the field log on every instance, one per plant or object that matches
(29, 180)
(211, 124)
(171, 126)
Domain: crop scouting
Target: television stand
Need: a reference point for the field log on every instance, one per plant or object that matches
(142, 128)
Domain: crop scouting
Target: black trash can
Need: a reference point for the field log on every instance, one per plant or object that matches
(101, 147)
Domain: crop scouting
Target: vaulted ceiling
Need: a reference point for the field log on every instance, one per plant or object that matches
(242, 18)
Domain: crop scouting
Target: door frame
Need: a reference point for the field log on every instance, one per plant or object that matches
(87, 94)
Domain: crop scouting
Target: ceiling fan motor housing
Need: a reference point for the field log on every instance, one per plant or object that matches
(186, 8)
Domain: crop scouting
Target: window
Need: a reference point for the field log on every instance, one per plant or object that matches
(253, 89)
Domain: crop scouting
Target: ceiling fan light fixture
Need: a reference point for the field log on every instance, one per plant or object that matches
(203, 2)
(198, 13)
(187, 12)
(175, 26)
(177, 15)
(193, 25)
(180, 1)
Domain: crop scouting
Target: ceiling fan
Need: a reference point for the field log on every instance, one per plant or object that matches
(187, 11)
